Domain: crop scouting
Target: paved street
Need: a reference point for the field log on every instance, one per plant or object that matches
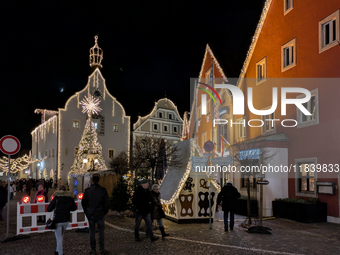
(288, 237)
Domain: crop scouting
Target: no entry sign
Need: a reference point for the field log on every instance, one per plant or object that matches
(9, 145)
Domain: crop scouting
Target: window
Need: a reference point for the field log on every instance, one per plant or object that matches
(288, 55)
(305, 176)
(111, 153)
(45, 153)
(155, 126)
(261, 71)
(244, 179)
(329, 32)
(115, 128)
(166, 128)
(175, 129)
(241, 127)
(269, 123)
(288, 6)
(170, 116)
(75, 123)
(95, 124)
(199, 112)
(160, 115)
(312, 106)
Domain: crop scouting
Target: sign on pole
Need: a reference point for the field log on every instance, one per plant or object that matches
(9, 145)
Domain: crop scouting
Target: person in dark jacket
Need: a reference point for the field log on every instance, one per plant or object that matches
(228, 196)
(142, 200)
(157, 212)
(63, 203)
(29, 186)
(3, 198)
(96, 205)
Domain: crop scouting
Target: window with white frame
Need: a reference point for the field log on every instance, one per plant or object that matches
(160, 115)
(95, 124)
(313, 108)
(75, 124)
(305, 176)
(175, 129)
(155, 126)
(166, 128)
(288, 55)
(269, 123)
(329, 32)
(288, 6)
(261, 71)
(241, 129)
(115, 128)
(111, 153)
(170, 116)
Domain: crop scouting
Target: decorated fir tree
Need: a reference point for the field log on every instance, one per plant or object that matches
(89, 144)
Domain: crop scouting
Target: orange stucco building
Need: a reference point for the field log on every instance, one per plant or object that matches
(296, 44)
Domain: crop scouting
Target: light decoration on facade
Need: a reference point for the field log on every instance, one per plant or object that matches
(254, 40)
(18, 164)
(208, 50)
(96, 54)
(90, 105)
(142, 119)
(41, 129)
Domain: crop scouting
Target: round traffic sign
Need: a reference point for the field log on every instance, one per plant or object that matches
(209, 146)
(9, 145)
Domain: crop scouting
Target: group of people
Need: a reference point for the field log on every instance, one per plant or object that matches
(95, 203)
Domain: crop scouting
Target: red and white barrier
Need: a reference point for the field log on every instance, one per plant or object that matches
(26, 209)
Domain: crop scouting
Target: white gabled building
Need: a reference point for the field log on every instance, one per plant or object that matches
(58, 136)
(164, 120)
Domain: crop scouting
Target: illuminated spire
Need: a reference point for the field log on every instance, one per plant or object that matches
(96, 54)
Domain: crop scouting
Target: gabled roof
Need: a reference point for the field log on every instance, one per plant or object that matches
(141, 120)
(255, 37)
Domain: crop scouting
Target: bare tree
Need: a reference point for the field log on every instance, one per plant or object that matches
(120, 164)
(152, 155)
(250, 154)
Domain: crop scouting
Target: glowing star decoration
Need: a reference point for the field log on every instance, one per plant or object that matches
(90, 105)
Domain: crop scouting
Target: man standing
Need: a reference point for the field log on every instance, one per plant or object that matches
(228, 196)
(142, 200)
(96, 205)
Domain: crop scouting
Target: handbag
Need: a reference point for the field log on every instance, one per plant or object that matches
(50, 223)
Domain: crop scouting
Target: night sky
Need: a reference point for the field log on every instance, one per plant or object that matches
(149, 47)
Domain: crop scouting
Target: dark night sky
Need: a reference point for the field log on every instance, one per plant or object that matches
(159, 45)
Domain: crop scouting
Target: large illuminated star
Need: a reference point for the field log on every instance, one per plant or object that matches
(90, 105)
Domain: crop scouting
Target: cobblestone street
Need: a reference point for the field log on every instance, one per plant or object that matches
(288, 237)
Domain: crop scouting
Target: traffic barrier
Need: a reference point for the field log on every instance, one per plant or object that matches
(27, 209)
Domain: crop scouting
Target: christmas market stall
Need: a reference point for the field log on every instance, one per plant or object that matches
(185, 192)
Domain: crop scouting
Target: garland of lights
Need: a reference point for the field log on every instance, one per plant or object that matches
(41, 129)
(18, 164)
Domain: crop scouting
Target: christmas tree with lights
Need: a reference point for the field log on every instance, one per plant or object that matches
(89, 155)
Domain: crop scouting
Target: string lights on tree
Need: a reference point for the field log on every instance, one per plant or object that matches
(89, 144)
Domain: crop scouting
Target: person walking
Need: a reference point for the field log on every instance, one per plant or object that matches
(96, 205)
(157, 212)
(228, 196)
(42, 192)
(3, 198)
(63, 203)
(142, 200)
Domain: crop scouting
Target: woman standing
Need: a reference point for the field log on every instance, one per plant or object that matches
(157, 210)
(63, 203)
